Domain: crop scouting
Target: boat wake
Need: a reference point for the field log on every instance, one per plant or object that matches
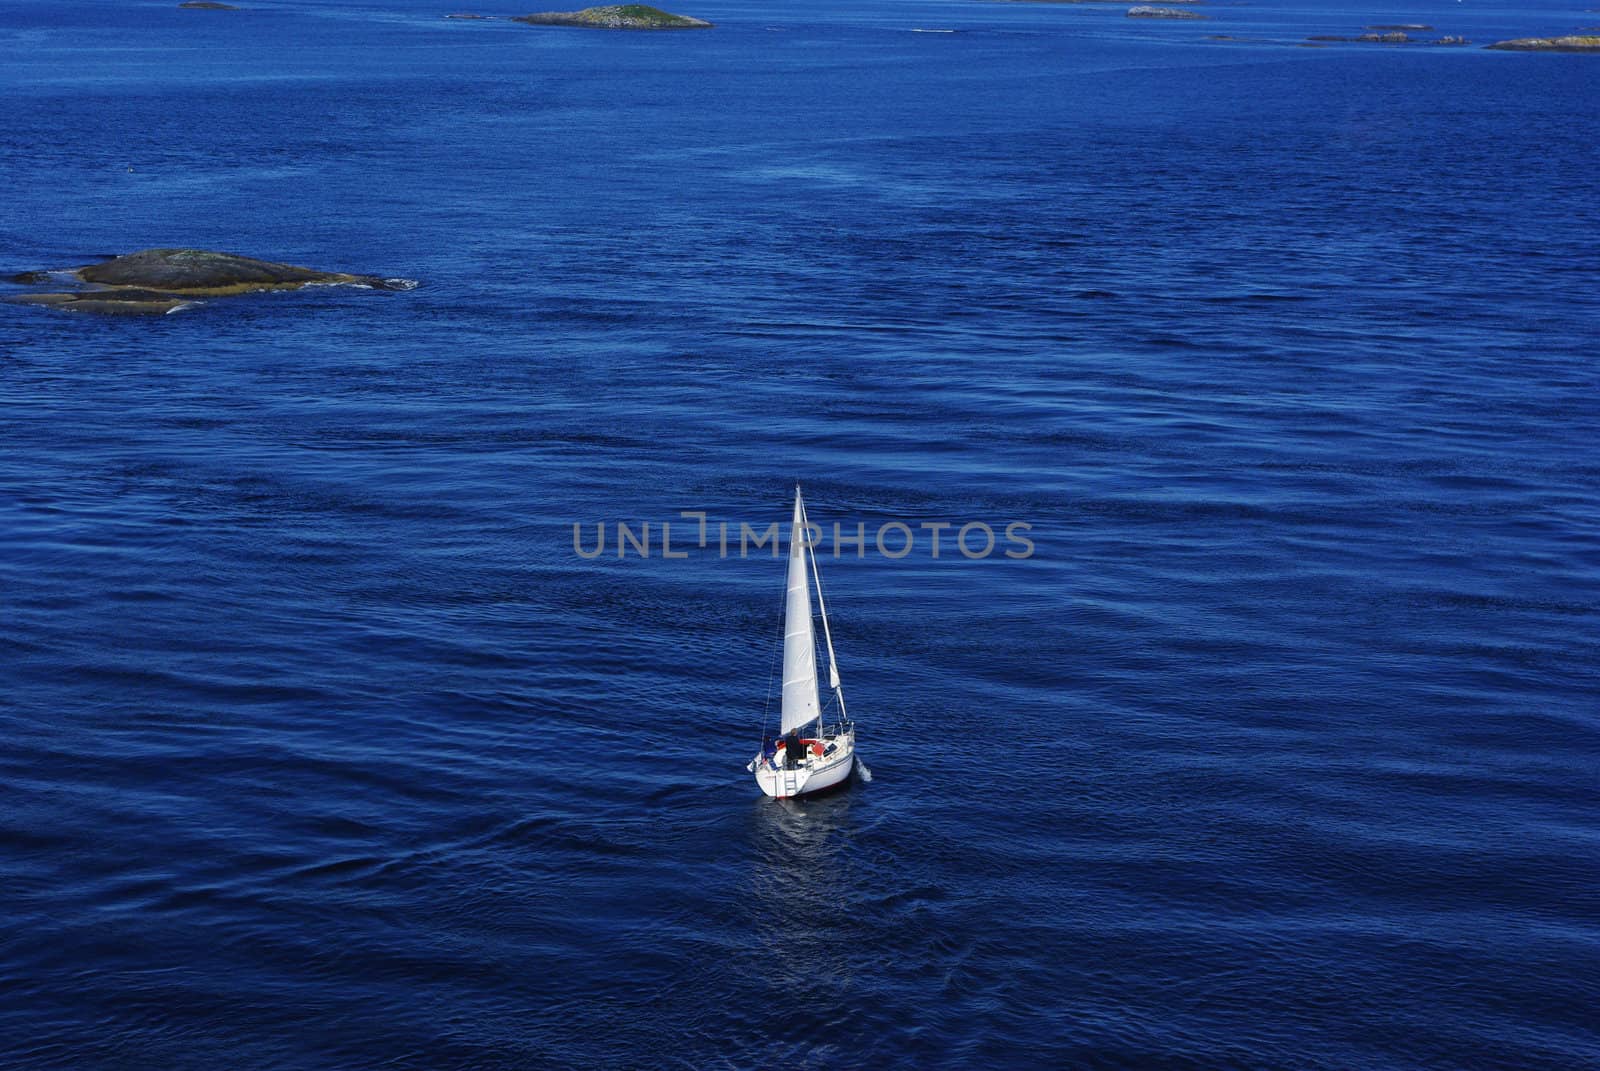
(863, 770)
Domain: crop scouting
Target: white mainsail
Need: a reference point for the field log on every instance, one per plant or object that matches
(800, 701)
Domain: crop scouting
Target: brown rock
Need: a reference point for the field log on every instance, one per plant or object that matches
(1573, 43)
(158, 281)
(200, 271)
(616, 17)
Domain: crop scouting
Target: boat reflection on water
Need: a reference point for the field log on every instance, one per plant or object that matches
(802, 883)
(799, 846)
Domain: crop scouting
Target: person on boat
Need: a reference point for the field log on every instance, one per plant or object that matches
(791, 749)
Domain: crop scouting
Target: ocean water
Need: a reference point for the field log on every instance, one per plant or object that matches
(322, 748)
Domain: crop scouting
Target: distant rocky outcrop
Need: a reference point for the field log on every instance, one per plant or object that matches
(207, 5)
(1452, 39)
(1144, 11)
(1392, 38)
(616, 17)
(1573, 43)
(201, 271)
(154, 281)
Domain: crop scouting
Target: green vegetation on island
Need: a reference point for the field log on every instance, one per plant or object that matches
(616, 17)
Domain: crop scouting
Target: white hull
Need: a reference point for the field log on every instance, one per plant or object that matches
(814, 775)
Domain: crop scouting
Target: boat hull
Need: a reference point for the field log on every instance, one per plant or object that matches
(809, 779)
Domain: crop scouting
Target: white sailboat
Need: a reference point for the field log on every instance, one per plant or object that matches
(808, 755)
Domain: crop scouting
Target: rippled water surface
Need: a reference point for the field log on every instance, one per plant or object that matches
(323, 749)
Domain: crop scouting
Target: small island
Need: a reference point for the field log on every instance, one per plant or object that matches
(1392, 38)
(1574, 43)
(158, 281)
(1147, 12)
(616, 17)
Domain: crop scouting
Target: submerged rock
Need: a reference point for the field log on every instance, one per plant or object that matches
(207, 5)
(154, 281)
(616, 17)
(1413, 26)
(1147, 12)
(130, 302)
(1573, 43)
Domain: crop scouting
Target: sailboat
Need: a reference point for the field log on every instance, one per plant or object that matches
(808, 755)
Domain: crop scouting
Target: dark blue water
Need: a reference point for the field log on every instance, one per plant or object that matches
(323, 749)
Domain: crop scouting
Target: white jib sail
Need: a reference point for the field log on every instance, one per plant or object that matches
(800, 703)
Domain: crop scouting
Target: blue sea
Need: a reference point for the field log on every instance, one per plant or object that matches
(322, 746)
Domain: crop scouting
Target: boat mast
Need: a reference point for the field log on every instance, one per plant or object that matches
(822, 608)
